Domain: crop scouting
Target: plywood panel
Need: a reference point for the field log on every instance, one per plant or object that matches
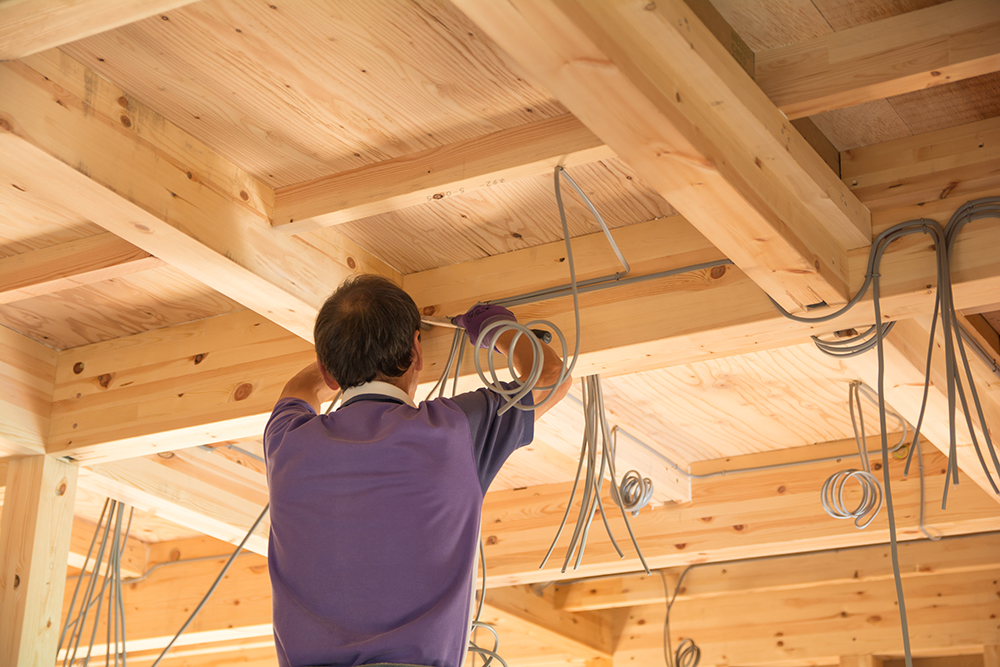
(296, 89)
(114, 308)
(768, 24)
(862, 125)
(752, 403)
(504, 217)
(949, 105)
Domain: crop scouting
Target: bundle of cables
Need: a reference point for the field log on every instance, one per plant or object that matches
(954, 349)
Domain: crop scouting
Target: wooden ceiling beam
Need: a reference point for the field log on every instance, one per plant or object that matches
(912, 51)
(71, 264)
(846, 567)
(905, 365)
(68, 129)
(730, 517)
(133, 555)
(28, 369)
(30, 26)
(948, 614)
(436, 174)
(654, 83)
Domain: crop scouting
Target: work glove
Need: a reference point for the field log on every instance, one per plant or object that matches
(479, 317)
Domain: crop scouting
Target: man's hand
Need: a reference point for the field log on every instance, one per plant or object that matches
(313, 385)
(481, 316)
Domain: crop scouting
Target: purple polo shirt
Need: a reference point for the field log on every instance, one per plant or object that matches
(375, 514)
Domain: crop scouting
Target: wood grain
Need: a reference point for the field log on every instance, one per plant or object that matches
(306, 89)
(28, 371)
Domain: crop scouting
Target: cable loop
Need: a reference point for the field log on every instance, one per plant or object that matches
(834, 503)
(636, 491)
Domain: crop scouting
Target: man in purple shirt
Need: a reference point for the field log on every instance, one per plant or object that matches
(375, 508)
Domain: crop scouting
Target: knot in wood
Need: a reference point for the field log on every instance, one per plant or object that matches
(717, 272)
(428, 310)
(61, 489)
(78, 367)
(351, 263)
(126, 121)
(491, 540)
(243, 391)
(104, 380)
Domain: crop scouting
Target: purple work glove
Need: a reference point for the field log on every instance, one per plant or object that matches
(479, 317)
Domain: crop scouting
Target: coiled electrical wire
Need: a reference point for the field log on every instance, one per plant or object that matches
(853, 346)
(636, 491)
(688, 653)
(596, 447)
(832, 493)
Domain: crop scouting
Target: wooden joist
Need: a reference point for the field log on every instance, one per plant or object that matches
(911, 51)
(654, 83)
(133, 555)
(735, 516)
(905, 364)
(30, 26)
(71, 264)
(28, 369)
(846, 567)
(37, 517)
(436, 174)
(67, 129)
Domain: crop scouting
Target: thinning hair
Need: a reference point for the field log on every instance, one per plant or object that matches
(365, 330)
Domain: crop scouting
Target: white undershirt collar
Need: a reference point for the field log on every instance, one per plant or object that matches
(378, 387)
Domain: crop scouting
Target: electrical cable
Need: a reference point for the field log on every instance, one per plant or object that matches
(688, 654)
(215, 584)
(944, 240)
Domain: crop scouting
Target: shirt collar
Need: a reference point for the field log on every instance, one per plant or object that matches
(379, 388)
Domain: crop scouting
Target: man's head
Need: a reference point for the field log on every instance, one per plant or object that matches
(366, 331)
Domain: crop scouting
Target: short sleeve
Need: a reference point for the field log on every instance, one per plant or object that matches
(495, 437)
(288, 413)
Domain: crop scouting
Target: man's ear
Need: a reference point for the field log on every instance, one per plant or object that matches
(418, 360)
(327, 378)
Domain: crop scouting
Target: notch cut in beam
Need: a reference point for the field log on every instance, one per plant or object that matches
(654, 83)
(912, 51)
(71, 264)
(436, 173)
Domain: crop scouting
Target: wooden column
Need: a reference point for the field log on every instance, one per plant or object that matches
(991, 655)
(860, 661)
(34, 543)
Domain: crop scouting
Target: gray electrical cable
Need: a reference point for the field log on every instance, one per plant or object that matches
(688, 654)
(215, 584)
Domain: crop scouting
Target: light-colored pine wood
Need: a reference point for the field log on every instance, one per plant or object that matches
(174, 197)
(687, 103)
(896, 55)
(848, 567)
(436, 173)
(30, 26)
(860, 661)
(133, 562)
(730, 517)
(905, 364)
(70, 264)
(947, 164)
(991, 655)
(34, 543)
(28, 371)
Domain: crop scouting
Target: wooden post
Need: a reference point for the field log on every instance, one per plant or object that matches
(991, 655)
(34, 543)
(860, 661)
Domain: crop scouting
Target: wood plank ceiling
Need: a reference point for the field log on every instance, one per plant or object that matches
(293, 90)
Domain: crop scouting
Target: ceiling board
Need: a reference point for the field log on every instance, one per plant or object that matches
(28, 222)
(114, 308)
(951, 104)
(146, 527)
(769, 24)
(508, 216)
(844, 14)
(861, 125)
(291, 90)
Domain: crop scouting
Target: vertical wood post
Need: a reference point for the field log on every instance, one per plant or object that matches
(35, 534)
(860, 661)
(991, 655)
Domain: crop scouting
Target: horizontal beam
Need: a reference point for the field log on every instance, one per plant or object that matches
(28, 369)
(654, 83)
(71, 264)
(133, 562)
(436, 173)
(30, 26)
(948, 614)
(730, 517)
(66, 128)
(843, 567)
(904, 53)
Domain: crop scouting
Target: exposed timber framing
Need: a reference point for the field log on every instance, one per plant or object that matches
(71, 264)
(847, 567)
(28, 369)
(34, 543)
(175, 198)
(30, 26)
(911, 51)
(436, 173)
(654, 83)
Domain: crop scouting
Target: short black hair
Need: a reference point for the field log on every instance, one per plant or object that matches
(365, 330)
